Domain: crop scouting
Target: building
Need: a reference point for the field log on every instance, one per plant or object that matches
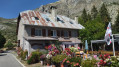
(35, 30)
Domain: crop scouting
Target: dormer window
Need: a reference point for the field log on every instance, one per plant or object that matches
(47, 19)
(71, 22)
(58, 19)
(36, 18)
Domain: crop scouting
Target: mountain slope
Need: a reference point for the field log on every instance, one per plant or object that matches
(72, 8)
(8, 28)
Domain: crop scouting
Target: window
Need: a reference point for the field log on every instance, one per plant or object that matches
(38, 32)
(71, 22)
(53, 33)
(47, 19)
(66, 34)
(36, 18)
(58, 19)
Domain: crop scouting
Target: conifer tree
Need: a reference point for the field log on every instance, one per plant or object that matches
(84, 16)
(94, 12)
(104, 15)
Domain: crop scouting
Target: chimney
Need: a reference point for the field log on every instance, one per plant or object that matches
(54, 13)
(76, 19)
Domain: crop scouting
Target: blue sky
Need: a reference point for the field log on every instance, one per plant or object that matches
(11, 8)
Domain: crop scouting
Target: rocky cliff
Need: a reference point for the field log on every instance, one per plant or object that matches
(72, 8)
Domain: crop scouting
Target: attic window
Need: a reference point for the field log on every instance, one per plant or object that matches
(36, 18)
(60, 20)
(71, 22)
(47, 19)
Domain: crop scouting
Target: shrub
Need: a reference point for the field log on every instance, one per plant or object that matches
(89, 63)
(2, 41)
(58, 58)
(9, 45)
(74, 61)
(24, 55)
(34, 58)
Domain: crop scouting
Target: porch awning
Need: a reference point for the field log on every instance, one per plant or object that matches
(40, 38)
(68, 43)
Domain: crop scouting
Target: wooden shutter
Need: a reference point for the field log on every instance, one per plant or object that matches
(49, 32)
(44, 32)
(32, 32)
(58, 33)
(69, 33)
(62, 33)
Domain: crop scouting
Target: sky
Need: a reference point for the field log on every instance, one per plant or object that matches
(11, 8)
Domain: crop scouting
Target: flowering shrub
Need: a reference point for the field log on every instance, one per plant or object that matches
(42, 57)
(114, 61)
(74, 61)
(34, 57)
(49, 56)
(105, 60)
(73, 49)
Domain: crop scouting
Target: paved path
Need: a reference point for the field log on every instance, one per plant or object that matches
(7, 60)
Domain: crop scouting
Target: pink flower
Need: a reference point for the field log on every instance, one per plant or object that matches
(77, 63)
(78, 47)
(67, 61)
(74, 65)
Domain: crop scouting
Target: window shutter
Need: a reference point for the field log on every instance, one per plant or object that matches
(58, 33)
(32, 32)
(49, 32)
(44, 32)
(62, 33)
(69, 33)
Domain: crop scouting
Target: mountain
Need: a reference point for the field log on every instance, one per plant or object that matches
(8, 28)
(72, 8)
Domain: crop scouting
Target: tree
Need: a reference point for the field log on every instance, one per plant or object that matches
(104, 15)
(94, 12)
(94, 30)
(84, 16)
(115, 27)
(89, 17)
(2, 40)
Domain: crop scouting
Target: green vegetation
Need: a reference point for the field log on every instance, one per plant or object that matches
(89, 63)
(58, 58)
(104, 15)
(94, 12)
(34, 58)
(115, 27)
(9, 29)
(95, 26)
(2, 40)
(9, 45)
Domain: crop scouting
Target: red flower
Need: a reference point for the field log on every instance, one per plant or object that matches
(67, 49)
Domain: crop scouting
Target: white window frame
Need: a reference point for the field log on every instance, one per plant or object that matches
(54, 33)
